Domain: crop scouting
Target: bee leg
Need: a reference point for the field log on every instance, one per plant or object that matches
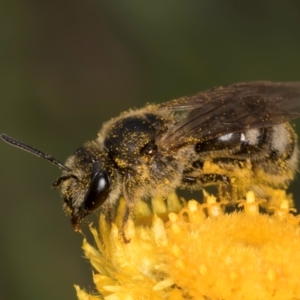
(225, 188)
(129, 196)
(126, 215)
(110, 211)
(207, 179)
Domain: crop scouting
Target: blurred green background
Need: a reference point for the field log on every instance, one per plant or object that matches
(68, 66)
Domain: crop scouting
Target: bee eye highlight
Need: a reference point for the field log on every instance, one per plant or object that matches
(98, 191)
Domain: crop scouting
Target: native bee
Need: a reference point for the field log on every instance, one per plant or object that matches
(236, 137)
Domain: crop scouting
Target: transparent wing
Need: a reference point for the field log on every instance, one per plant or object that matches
(234, 108)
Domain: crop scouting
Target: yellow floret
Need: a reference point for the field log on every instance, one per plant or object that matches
(199, 253)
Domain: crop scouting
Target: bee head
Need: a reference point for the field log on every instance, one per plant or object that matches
(86, 184)
(86, 179)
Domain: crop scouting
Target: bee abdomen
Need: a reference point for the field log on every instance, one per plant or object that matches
(273, 152)
(284, 141)
(276, 142)
(273, 143)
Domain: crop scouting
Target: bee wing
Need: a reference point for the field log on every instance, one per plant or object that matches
(234, 108)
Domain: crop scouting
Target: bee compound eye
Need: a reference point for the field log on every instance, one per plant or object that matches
(98, 191)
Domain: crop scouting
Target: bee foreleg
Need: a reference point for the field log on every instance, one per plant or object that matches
(128, 193)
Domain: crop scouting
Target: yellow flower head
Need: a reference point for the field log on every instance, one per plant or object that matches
(199, 253)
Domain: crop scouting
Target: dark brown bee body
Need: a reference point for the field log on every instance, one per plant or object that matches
(236, 137)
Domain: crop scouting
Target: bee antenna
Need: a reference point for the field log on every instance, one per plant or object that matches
(34, 151)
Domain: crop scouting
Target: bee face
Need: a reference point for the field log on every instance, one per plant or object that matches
(87, 185)
(235, 137)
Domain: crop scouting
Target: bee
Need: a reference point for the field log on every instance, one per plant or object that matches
(236, 138)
